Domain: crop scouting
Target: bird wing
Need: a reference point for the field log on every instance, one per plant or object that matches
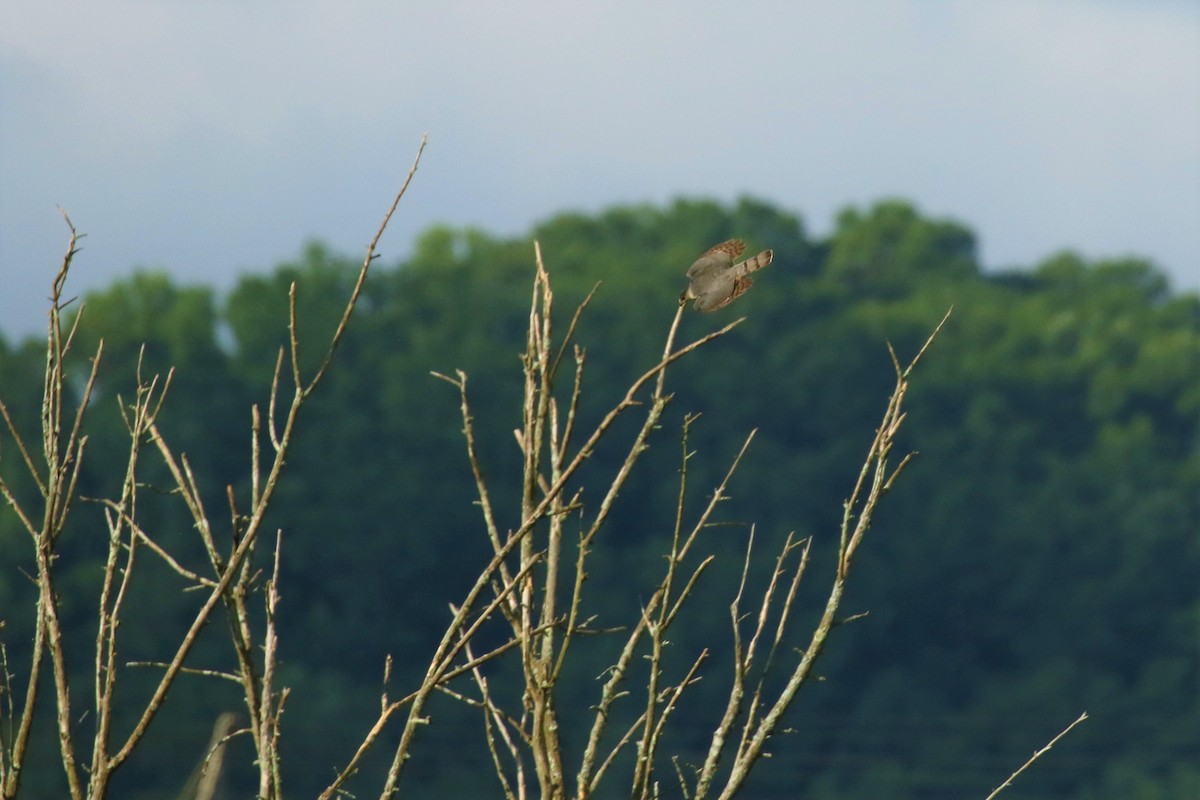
(740, 286)
(718, 257)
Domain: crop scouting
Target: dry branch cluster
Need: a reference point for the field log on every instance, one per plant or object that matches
(544, 631)
(230, 586)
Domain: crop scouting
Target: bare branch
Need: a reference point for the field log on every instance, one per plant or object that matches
(362, 277)
(25, 456)
(1035, 757)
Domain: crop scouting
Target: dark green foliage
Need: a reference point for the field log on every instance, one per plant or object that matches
(1038, 559)
(886, 251)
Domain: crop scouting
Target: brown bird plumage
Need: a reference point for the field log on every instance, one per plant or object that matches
(714, 281)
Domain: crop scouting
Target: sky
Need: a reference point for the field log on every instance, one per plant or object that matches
(215, 139)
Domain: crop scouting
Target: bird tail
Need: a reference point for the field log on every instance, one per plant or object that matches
(753, 264)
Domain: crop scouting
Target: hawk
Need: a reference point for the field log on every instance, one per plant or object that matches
(715, 281)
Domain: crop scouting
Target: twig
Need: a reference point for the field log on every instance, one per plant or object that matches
(362, 275)
(1036, 756)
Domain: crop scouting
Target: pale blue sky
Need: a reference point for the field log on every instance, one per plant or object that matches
(212, 139)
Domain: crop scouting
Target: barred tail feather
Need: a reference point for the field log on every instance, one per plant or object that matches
(754, 264)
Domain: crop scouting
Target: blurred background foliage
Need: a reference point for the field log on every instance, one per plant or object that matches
(1039, 558)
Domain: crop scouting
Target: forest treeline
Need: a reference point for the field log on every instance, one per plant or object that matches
(1039, 559)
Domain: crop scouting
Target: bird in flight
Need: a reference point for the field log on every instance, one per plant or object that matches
(715, 280)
